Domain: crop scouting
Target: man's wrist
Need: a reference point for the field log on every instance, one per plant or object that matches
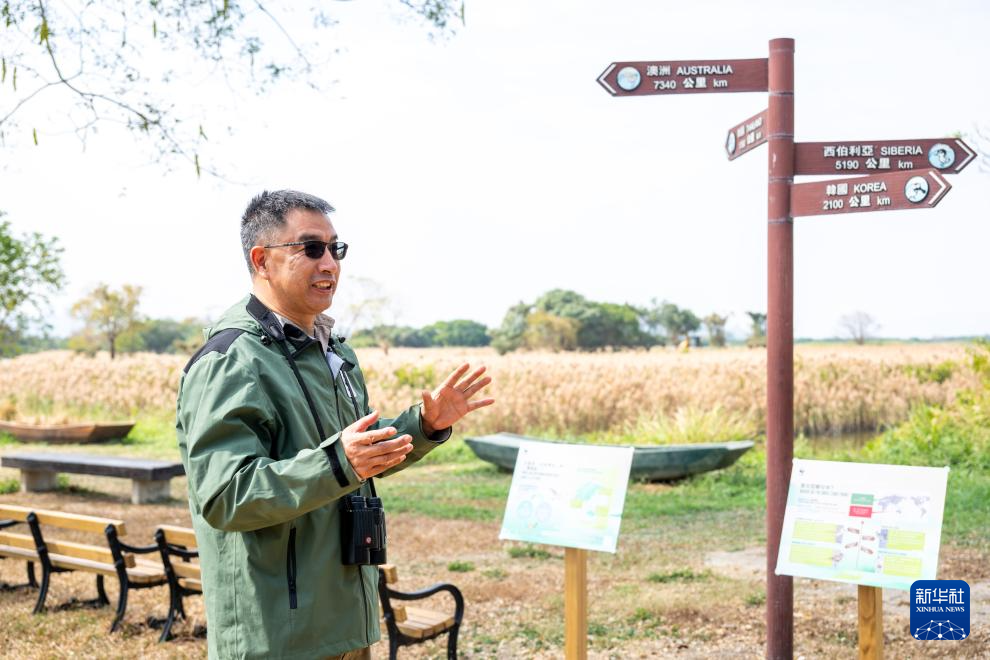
(432, 434)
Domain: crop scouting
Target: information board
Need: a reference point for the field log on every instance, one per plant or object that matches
(567, 495)
(875, 525)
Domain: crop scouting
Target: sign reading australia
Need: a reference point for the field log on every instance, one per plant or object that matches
(684, 77)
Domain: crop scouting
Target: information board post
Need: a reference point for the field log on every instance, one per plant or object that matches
(870, 623)
(575, 604)
(780, 337)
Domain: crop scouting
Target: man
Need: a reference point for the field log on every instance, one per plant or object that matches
(275, 430)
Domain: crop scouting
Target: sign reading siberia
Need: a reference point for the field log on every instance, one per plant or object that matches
(897, 191)
(875, 525)
(567, 495)
(684, 77)
(747, 135)
(947, 155)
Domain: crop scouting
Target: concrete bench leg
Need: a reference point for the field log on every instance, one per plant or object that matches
(145, 492)
(37, 481)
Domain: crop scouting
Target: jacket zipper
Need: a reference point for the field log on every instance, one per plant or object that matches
(290, 568)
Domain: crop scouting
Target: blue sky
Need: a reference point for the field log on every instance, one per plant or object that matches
(477, 172)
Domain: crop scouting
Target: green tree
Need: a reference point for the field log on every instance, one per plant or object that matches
(30, 272)
(510, 335)
(677, 322)
(610, 325)
(758, 329)
(600, 325)
(115, 63)
(546, 331)
(108, 314)
(165, 335)
(715, 325)
(459, 332)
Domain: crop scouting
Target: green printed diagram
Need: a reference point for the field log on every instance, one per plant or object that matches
(572, 499)
(587, 508)
(877, 525)
(940, 630)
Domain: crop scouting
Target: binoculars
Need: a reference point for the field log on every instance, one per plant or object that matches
(362, 531)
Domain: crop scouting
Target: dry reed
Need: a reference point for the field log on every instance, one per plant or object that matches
(837, 388)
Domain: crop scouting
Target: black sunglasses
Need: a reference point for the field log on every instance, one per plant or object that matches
(314, 249)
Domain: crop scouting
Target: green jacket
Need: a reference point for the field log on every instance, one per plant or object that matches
(263, 491)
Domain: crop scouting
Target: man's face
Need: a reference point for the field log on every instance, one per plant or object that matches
(302, 287)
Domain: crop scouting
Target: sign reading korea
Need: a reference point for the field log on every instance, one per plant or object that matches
(884, 192)
(947, 155)
(746, 136)
(684, 77)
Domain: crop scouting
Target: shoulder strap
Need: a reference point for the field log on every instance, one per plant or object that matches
(219, 343)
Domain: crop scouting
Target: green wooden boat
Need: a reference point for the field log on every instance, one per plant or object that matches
(650, 463)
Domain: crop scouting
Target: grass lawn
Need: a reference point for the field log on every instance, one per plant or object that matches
(687, 578)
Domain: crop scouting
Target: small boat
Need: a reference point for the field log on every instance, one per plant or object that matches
(649, 463)
(58, 434)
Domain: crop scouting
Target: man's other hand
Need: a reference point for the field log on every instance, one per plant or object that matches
(372, 452)
(447, 404)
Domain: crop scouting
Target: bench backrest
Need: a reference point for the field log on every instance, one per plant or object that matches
(179, 535)
(75, 521)
(68, 548)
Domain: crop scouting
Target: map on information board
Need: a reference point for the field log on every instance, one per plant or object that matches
(875, 525)
(567, 495)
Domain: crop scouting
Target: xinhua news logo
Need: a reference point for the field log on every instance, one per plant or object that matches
(940, 610)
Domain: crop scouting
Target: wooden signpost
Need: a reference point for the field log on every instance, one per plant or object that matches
(746, 136)
(947, 155)
(684, 77)
(882, 192)
(901, 174)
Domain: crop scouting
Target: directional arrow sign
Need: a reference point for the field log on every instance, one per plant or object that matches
(922, 189)
(747, 135)
(684, 77)
(947, 155)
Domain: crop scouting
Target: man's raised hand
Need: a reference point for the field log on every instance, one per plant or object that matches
(447, 404)
(371, 452)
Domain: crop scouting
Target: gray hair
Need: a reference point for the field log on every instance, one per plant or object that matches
(265, 215)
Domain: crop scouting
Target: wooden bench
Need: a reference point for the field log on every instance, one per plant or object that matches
(177, 546)
(116, 559)
(14, 552)
(413, 625)
(150, 479)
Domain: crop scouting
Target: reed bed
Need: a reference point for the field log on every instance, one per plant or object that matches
(838, 389)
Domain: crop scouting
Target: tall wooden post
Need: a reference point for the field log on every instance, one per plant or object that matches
(870, 623)
(780, 338)
(575, 604)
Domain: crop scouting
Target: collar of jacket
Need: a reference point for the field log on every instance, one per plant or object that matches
(266, 318)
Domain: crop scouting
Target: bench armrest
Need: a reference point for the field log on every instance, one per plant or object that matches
(430, 591)
(137, 549)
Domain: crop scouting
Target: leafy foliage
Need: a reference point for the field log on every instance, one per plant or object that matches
(758, 330)
(102, 62)
(715, 324)
(29, 273)
(110, 316)
(956, 434)
(459, 332)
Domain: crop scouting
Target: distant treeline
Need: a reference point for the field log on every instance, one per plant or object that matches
(560, 320)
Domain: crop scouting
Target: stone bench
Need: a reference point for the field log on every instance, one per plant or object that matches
(149, 478)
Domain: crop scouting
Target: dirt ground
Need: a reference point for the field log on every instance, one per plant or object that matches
(667, 592)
